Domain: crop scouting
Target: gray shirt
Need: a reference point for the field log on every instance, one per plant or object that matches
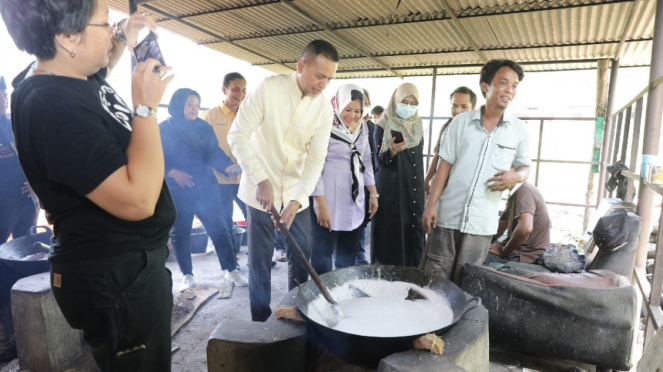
(466, 204)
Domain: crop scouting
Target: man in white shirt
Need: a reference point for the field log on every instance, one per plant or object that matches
(463, 99)
(280, 138)
(475, 168)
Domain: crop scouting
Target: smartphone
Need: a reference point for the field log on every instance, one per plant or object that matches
(398, 135)
(236, 169)
(149, 48)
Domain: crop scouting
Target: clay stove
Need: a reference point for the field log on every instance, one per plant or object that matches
(284, 345)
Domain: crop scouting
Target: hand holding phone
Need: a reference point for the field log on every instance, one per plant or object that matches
(149, 48)
(398, 135)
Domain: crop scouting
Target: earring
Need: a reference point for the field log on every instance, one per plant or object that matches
(72, 54)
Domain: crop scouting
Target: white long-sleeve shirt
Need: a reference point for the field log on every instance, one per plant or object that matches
(280, 136)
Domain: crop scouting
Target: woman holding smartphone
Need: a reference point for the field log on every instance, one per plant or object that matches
(97, 166)
(339, 208)
(398, 235)
(191, 150)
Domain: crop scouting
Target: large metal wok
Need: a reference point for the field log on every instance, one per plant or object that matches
(369, 350)
(14, 251)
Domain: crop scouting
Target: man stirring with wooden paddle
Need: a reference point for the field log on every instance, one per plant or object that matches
(280, 138)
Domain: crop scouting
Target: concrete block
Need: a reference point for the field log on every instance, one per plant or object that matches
(417, 361)
(466, 348)
(44, 340)
(651, 359)
(243, 346)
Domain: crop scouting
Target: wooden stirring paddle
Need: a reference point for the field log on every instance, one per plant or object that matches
(330, 318)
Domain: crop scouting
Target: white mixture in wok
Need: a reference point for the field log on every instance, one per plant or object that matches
(386, 312)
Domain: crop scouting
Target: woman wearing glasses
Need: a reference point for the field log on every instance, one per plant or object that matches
(398, 235)
(97, 166)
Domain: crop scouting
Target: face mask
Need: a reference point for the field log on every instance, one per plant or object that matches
(405, 111)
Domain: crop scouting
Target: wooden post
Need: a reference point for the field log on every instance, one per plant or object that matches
(602, 79)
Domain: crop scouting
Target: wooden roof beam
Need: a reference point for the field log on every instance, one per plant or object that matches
(491, 49)
(462, 30)
(625, 27)
(317, 21)
(212, 34)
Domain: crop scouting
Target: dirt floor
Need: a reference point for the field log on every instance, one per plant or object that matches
(191, 340)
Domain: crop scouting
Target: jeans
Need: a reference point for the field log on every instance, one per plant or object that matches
(123, 304)
(279, 240)
(345, 243)
(261, 247)
(206, 206)
(19, 215)
(228, 194)
(361, 248)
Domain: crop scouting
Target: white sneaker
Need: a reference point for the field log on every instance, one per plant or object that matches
(236, 277)
(187, 283)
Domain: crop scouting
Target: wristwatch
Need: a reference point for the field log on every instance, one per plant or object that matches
(376, 196)
(143, 111)
(117, 32)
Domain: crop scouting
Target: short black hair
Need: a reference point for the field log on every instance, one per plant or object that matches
(33, 24)
(377, 110)
(230, 77)
(356, 94)
(489, 70)
(317, 47)
(465, 90)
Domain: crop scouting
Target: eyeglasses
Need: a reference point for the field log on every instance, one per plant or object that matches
(107, 24)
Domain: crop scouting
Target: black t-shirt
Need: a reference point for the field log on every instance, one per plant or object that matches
(71, 135)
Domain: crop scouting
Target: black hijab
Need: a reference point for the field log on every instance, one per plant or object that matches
(184, 128)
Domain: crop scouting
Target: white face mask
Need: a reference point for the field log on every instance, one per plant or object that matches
(405, 111)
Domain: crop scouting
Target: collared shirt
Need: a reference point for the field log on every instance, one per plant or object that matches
(220, 118)
(442, 137)
(280, 136)
(466, 204)
(335, 184)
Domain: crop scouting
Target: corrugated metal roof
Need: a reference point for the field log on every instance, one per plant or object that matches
(413, 36)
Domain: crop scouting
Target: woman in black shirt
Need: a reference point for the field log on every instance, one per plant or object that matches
(398, 234)
(97, 167)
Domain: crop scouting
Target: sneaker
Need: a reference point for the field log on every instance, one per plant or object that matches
(187, 283)
(237, 278)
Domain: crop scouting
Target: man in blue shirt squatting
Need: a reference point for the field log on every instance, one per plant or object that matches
(476, 167)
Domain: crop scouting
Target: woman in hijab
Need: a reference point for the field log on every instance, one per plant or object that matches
(338, 199)
(191, 150)
(398, 235)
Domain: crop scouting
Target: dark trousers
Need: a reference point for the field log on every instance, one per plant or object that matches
(492, 257)
(346, 244)
(261, 246)
(361, 250)
(123, 304)
(19, 214)
(205, 205)
(228, 194)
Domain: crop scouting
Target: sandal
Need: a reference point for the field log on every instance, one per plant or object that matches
(280, 256)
